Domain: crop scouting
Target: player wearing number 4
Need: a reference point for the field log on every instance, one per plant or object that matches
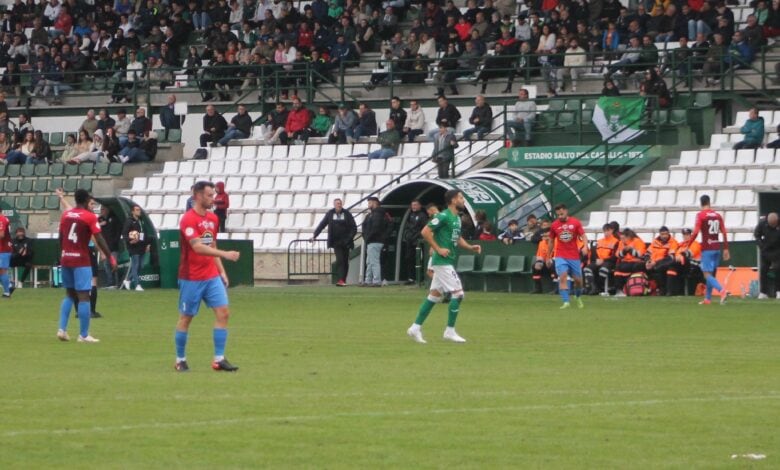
(442, 233)
(565, 233)
(202, 278)
(711, 226)
(77, 227)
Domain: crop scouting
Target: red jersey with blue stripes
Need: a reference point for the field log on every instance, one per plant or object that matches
(192, 266)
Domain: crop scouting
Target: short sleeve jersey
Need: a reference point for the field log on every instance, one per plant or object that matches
(710, 224)
(76, 229)
(446, 232)
(566, 235)
(192, 266)
(6, 245)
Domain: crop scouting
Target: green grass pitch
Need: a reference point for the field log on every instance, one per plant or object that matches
(329, 379)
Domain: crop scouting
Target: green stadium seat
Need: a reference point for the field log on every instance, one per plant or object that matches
(515, 264)
(53, 184)
(174, 135)
(678, 117)
(661, 116)
(702, 100)
(85, 183)
(573, 105)
(466, 264)
(56, 138)
(115, 169)
(567, 119)
(11, 186)
(45, 136)
(556, 105)
(160, 135)
(25, 185)
(71, 170)
(490, 265)
(52, 203)
(86, 168)
(591, 103)
(56, 169)
(2, 170)
(547, 119)
(101, 169)
(27, 170)
(38, 203)
(13, 170)
(41, 170)
(7, 200)
(587, 116)
(40, 185)
(70, 184)
(22, 203)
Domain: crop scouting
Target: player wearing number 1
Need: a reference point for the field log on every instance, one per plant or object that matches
(442, 233)
(711, 226)
(202, 277)
(565, 234)
(77, 227)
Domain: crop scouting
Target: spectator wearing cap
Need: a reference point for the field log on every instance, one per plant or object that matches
(444, 144)
(512, 234)
(389, 140)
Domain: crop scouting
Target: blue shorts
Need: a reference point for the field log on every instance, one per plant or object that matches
(710, 259)
(5, 260)
(192, 293)
(571, 266)
(77, 278)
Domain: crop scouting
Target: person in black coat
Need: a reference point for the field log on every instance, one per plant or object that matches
(376, 228)
(341, 234)
(137, 246)
(240, 126)
(767, 235)
(481, 119)
(168, 118)
(214, 126)
(412, 237)
(22, 254)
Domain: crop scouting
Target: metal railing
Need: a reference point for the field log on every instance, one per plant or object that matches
(307, 258)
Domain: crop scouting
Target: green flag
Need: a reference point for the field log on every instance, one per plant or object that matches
(618, 119)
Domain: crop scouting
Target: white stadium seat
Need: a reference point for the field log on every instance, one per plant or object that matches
(185, 168)
(659, 178)
(716, 177)
(635, 219)
(235, 221)
(139, 184)
(735, 176)
(248, 152)
(726, 157)
(217, 153)
(618, 216)
(755, 175)
(282, 182)
(629, 198)
(686, 197)
(200, 168)
(765, 156)
(689, 158)
(267, 201)
(745, 157)
(718, 140)
(707, 157)
(279, 151)
(696, 178)
(674, 219)
(251, 201)
(311, 167)
(170, 168)
(647, 197)
(360, 166)
(654, 219)
(154, 202)
(299, 183)
(295, 167)
(733, 219)
(724, 197)
(283, 201)
(301, 201)
(745, 198)
(690, 219)
(252, 220)
(247, 167)
(296, 151)
(666, 197)
(327, 167)
(318, 201)
(249, 183)
(170, 202)
(233, 153)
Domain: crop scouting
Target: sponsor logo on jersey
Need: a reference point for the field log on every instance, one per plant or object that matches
(207, 238)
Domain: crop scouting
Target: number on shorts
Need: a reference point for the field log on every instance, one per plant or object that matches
(72, 235)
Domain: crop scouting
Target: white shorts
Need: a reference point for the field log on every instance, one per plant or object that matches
(445, 279)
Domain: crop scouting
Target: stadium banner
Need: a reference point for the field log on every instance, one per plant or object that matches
(536, 157)
(618, 119)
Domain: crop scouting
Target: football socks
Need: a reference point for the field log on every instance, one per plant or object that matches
(220, 339)
(425, 310)
(452, 312)
(180, 338)
(564, 295)
(84, 319)
(5, 283)
(67, 305)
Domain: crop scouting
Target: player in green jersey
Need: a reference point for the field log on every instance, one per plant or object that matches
(443, 235)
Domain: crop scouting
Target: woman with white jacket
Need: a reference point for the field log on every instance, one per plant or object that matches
(415, 121)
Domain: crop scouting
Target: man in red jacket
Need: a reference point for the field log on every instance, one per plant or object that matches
(298, 122)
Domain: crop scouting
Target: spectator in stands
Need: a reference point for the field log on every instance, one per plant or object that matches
(610, 89)
(630, 57)
(524, 117)
(377, 226)
(384, 67)
(341, 233)
(767, 235)
(524, 66)
(498, 65)
(275, 122)
(111, 145)
(772, 24)
(71, 150)
(648, 56)
(753, 130)
(138, 149)
(23, 151)
(221, 204)
(531, 227)
(415, 121)
(654, 89)
(134, 74)
(680, 60)
(444, 145)
(487, 235)
(397, 114)
(142, 125)
(630, 254)
(481, 119)
(11, 82)
(725, 28)
(90, 124)
(388, 25)
(669, 25)
(122, 126)
(321, 125)
(24, 126)
(240, 127)
(610, 40)
(388, 140)
(714, 60)
(344, 126)
(753, 33)
(740, 53)
(512, 234)
(775, 144)
(446, 112)
(22, 255)
(467, 64)
(297, 126)
(366, 124)
(41, 152)
(574, 62)
(552, 66)
(168, 117)
(5, 147)
(662, 265)
(95, 151)
(104, 121)
(137, 245)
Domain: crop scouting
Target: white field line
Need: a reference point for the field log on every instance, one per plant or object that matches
(378, 414)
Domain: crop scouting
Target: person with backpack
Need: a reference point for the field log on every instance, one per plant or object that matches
(630, 260)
